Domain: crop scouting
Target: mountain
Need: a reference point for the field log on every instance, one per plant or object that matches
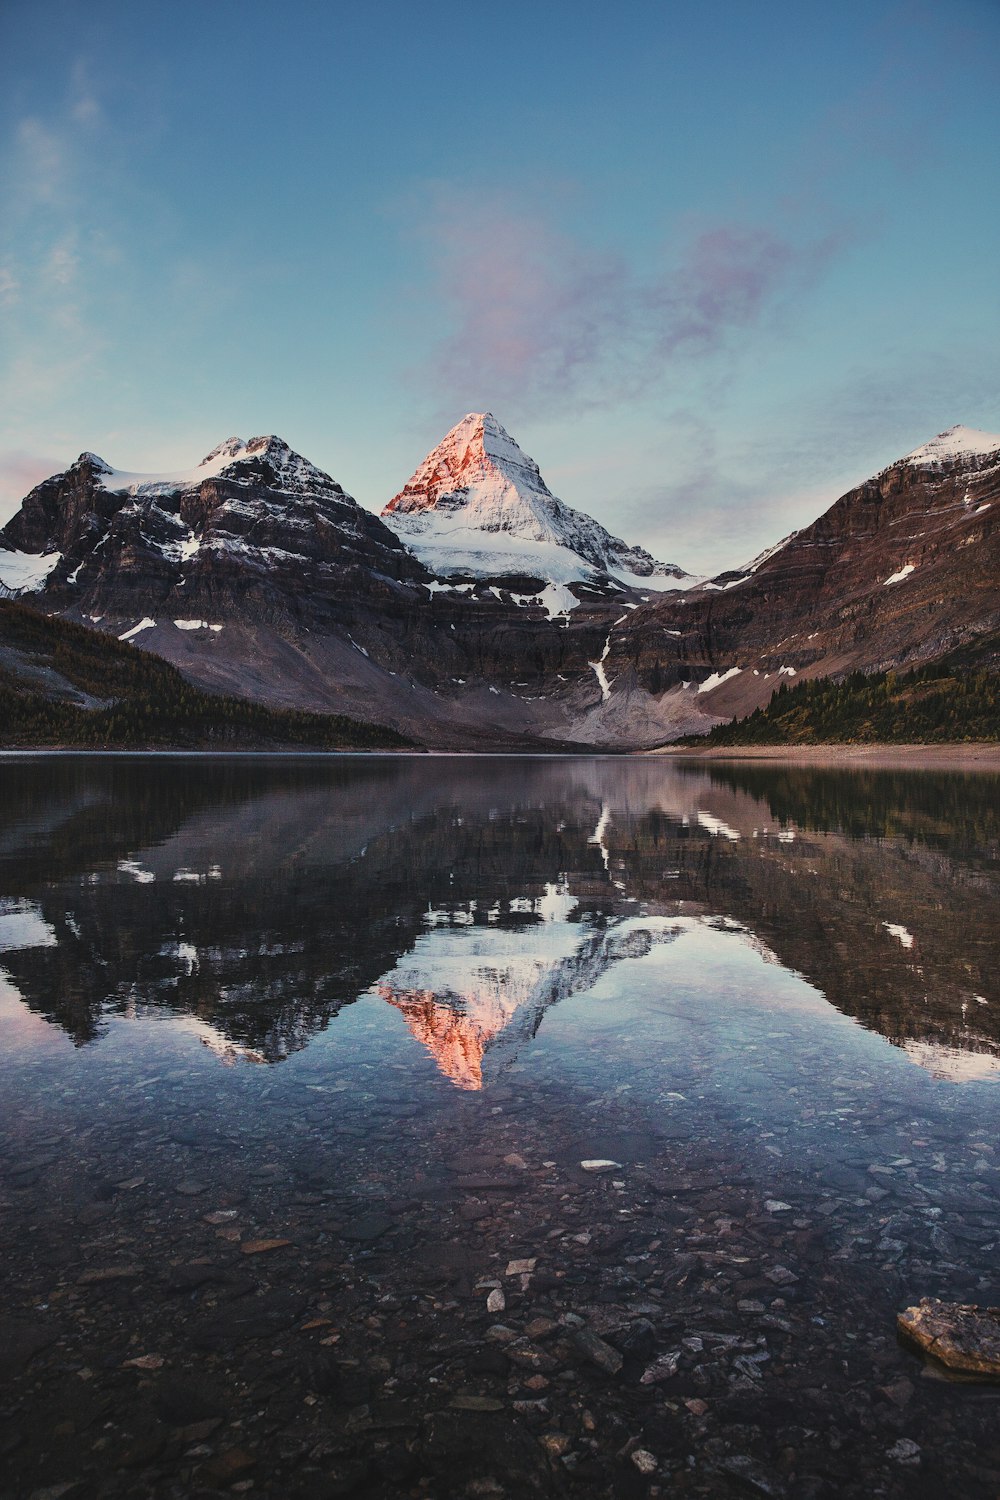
(248, 507)
(901, 571)
(478, 507)
(483, 613)
(256, 574)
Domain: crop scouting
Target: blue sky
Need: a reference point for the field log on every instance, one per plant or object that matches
(709, 262)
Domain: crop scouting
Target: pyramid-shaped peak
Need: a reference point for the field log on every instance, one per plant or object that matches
(479, 505)
(476, 458)
(480, 429)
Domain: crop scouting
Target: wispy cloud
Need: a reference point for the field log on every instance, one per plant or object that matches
(528, 309)
(727, 278)
(50, 243)
(534, 315)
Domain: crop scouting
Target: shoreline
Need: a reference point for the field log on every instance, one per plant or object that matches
(983, 755)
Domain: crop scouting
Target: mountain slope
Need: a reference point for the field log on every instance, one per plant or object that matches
(62, 684)
(478, 507)
(900, 571)
(257, 575)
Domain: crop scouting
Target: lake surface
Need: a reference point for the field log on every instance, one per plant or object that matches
(301, 1060)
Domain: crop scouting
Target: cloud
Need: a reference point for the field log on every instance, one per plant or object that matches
(727, 278)
(85, 106)
(535, 316)
(528, 310)
(40, 166)
(52, 252)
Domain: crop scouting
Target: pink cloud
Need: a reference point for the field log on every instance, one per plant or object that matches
(533, 314)
(529, 310)
(723, 281)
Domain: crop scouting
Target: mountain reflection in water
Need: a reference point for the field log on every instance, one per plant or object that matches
(253, 900)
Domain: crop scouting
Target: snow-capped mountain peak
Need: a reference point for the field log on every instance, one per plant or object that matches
(479, 469)
(228, 449)
(267, 459)
(478, 506)
(954, 443)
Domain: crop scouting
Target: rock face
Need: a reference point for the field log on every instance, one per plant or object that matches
(961, 1336)
(482, 612)
(249, 512)
(897, 572)
(478, 507)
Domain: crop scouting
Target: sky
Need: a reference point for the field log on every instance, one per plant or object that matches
(710, 263)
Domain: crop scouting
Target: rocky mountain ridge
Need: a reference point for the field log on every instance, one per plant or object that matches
(482, 612)
(901, 570)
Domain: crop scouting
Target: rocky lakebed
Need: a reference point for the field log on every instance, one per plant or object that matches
(626, 1209)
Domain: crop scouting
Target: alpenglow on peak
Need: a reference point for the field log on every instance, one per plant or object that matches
(478, 506)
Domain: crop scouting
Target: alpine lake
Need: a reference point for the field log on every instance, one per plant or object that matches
(472, 1126)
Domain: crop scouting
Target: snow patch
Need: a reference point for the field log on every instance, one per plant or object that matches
(194, 625)
(717, 678)
(23, 926)
(903, 573)
(146, 624)
(26, 572)
(899, 933)
(556, 599)
(717, 827)
(950, 1064)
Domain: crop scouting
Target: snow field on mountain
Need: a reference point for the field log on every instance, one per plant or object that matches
(954, 443)
(26, 572)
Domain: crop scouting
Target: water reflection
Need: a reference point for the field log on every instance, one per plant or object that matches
(253, 901)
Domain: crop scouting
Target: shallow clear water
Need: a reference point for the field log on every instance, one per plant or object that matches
(294, 990)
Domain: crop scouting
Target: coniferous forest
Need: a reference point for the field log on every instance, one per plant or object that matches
(940, 703)
(62, 684)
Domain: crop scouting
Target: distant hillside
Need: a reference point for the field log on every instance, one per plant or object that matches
(941, 703)
(64, 685)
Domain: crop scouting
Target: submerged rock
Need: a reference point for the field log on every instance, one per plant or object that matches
(961, 1335)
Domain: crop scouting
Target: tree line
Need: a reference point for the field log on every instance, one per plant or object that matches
(927, 705)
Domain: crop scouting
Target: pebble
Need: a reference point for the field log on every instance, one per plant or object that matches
(97, 1274)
